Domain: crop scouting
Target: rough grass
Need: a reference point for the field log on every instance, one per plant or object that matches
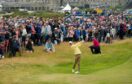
(113, 66)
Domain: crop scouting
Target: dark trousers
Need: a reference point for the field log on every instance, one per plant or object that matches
(70, 38)
(77, 61)
(90, 38)
(129, 33)
(14, 50)
(95, 49)
(33, 38)
(121, 35)
(1, 52)
(47, 37)
(58, 41)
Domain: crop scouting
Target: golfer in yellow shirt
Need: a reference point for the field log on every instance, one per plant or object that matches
(77, 54)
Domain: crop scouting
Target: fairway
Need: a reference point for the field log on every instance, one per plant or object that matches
(113, 66)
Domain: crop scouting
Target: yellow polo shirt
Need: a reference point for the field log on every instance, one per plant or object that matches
(76, 49)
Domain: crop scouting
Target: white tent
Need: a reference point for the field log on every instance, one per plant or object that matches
(76, 8)
(67, 8)
(30, 12)
(1, 7)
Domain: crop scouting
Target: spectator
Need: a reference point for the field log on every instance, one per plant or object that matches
(14, 47)
(49, 46)
(29, 46)
(95, 48)
(56, 36)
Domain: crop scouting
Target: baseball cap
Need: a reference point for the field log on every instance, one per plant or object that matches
(70, 42)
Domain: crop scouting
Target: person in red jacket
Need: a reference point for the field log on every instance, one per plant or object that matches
(95, 48)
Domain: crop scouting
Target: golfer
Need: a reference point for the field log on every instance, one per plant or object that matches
(77, 54)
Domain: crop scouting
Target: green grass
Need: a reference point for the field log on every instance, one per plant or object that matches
(113, 66)
(43, 14)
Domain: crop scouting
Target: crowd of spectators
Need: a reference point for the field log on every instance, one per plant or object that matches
(20, 32)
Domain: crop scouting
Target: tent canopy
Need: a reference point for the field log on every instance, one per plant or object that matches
(76, 8)
(1, 6)
(67, 8)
